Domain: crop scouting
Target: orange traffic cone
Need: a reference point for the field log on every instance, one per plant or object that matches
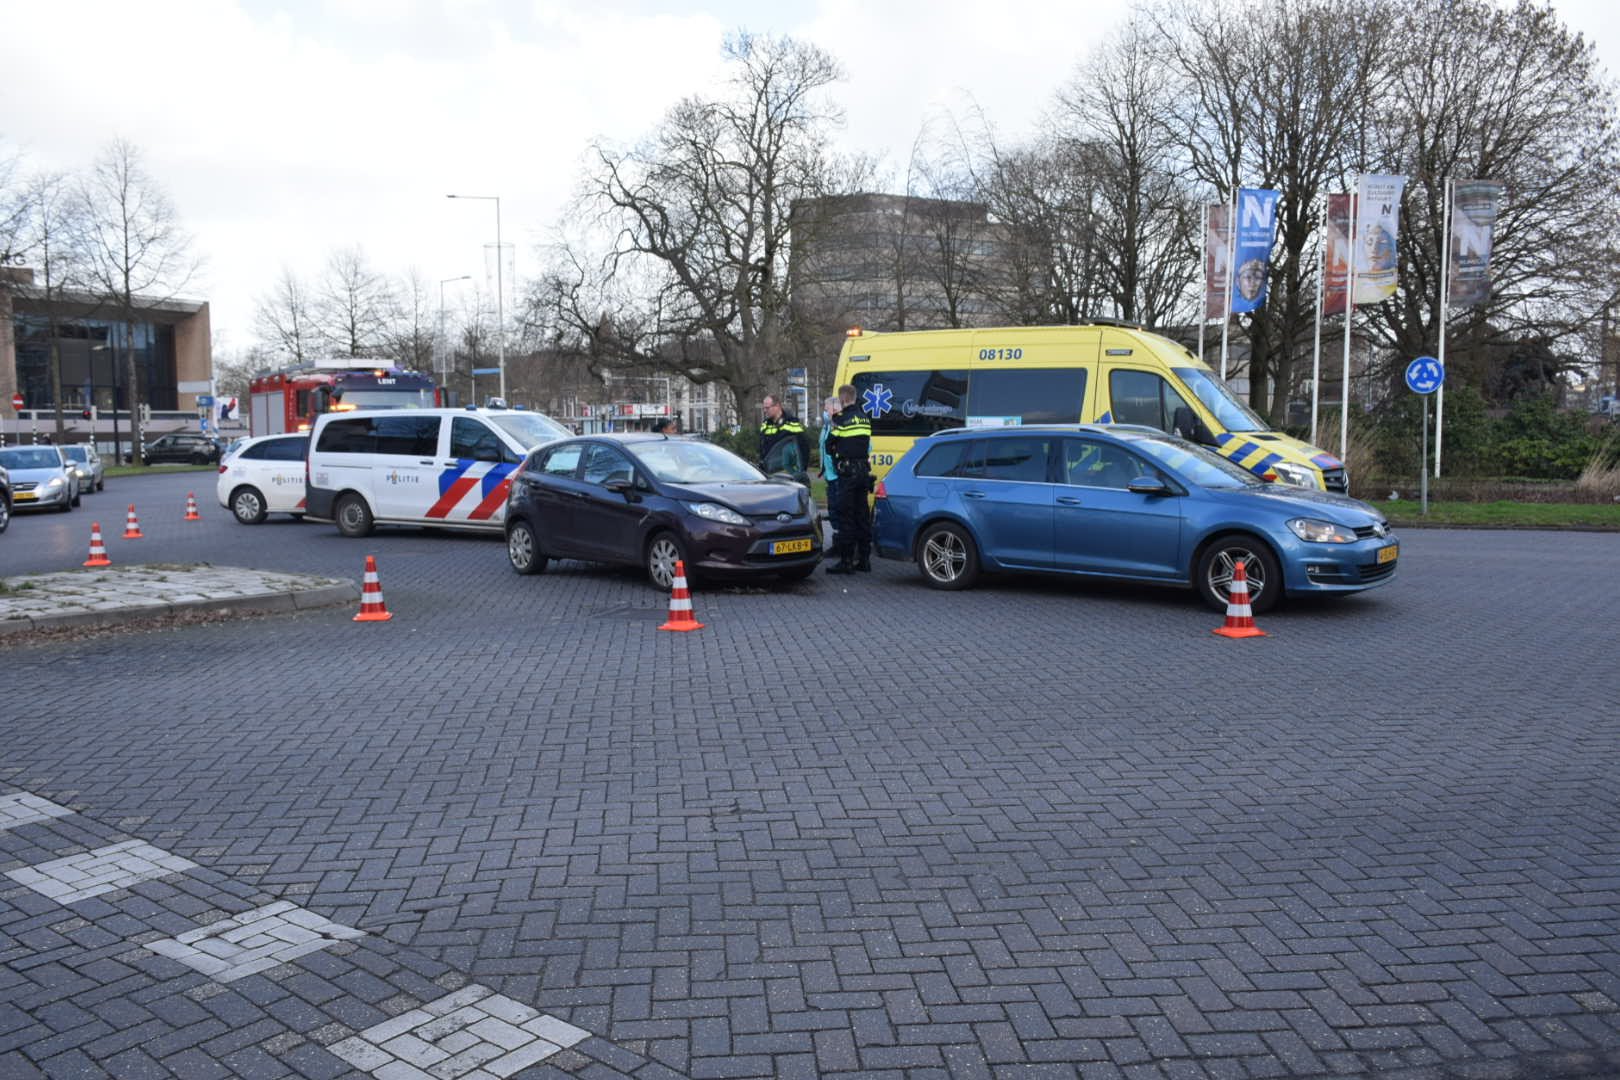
(680, 603)
(191, 507)
(132, 527)
(1239, 619)
(372, 608)
(98, 553)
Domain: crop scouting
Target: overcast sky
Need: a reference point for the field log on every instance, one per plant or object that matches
(285, 130)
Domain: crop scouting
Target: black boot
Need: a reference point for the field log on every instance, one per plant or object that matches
(864, 563)
(844, 565)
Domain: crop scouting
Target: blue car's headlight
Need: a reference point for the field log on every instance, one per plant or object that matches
(716, 512)
(1318, 531)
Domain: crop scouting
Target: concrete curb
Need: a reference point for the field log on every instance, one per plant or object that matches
(253, 604)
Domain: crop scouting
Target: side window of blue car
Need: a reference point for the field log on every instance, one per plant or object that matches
(951, 458)
(1021, 459)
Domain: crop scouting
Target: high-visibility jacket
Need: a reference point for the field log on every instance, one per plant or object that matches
(850, 441)
(787, 426)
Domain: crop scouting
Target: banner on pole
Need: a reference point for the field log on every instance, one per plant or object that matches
(1256, 229)
(1378, 223)
(1336, 269)
(1473, 228)
(1217, 242)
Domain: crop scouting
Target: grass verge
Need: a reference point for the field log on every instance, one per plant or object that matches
(1505, 514)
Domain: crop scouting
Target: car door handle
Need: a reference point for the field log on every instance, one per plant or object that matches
(972, 494)
(429, 461)
(580, 494)
(1068, 500)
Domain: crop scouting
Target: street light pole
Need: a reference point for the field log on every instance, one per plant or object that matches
(444, 369)
(500, 290)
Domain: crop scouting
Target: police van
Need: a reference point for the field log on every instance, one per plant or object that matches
(915, 383)
(449, 467)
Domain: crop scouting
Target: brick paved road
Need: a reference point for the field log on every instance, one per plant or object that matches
(1045, 829)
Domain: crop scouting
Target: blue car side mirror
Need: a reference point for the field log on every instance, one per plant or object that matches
(1148, 485)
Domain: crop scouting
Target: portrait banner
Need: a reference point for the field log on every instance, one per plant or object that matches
(1474, 206)
(1378, 223)
(1217, 247)
(1257, 228)
(1336, 261)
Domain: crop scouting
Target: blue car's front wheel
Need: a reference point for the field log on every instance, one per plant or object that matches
(1217, 566)
(947, 557)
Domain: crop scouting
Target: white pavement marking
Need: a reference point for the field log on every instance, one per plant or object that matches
(23, 809)
(254, 941)
(91, 873)
(473, 1032)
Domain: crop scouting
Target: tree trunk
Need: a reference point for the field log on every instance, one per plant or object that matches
(137, 449)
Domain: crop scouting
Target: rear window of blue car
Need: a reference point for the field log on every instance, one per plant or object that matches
(947, 459)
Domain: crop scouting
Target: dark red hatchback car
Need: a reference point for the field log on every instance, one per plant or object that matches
(647, 500)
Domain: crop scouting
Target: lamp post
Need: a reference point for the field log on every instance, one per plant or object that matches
(444, 370)
(500, 290)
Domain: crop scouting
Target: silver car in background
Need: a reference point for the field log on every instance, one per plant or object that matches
(40, 476)
(88, 464)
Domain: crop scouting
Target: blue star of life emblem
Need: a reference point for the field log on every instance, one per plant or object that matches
(877, 400)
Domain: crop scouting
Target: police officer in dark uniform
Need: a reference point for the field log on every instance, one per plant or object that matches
(850, 444)
(781, 425)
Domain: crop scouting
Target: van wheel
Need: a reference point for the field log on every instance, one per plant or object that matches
(523, 549)
(248, 506)
(1218, 561)
(947, 557)
(353, 516)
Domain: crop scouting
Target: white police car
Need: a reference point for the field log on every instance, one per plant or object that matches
(264, 476)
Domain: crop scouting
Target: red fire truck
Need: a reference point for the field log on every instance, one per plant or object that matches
(291, 399)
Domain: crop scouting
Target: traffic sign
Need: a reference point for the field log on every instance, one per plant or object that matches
(1424, 375)
(17, 402)
(204, 400)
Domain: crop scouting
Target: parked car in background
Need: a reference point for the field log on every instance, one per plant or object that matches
(5, 499)
(1121, 502)
(184, 448)
(88, 464)
(264, 476)
(40, 477)
(651, 500)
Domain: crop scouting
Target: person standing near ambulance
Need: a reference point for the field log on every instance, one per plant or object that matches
(780, 425)
(850, 443)
(830, 407)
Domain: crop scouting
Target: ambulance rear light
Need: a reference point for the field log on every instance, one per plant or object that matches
(853, 331)
(880, 492)
(223, 467)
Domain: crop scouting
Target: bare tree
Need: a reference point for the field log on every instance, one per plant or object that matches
(1276, 85)
(1512, 95)
(1050, 197)
(700, 216)
(52, 224)
(14, 202)
(135, 252)
(412, 326)
(1117, 116)
(353, 305)
(285, 317)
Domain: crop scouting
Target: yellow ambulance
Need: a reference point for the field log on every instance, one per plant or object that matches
(915, 383)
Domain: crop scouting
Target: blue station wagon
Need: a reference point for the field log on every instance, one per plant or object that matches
(1120, 502)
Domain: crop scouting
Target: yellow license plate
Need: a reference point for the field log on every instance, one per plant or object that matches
(26, 496)
(790, 547)
(1388, 554)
